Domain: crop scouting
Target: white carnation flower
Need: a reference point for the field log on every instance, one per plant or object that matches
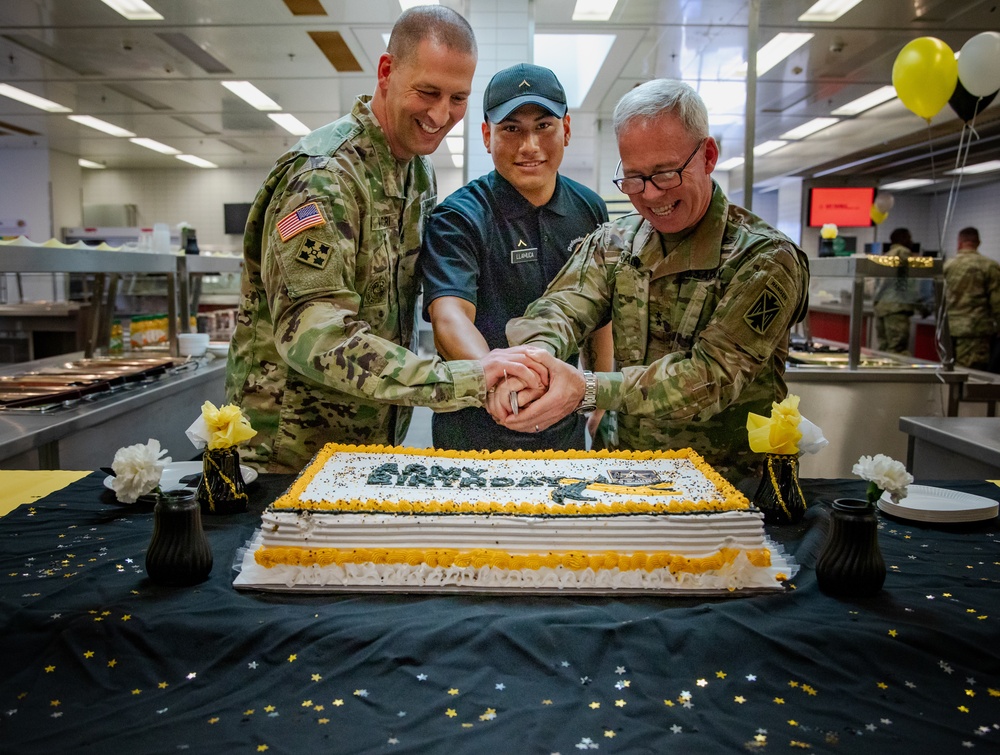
(137, 470)
(884, 474)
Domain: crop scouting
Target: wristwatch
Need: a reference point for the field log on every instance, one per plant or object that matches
(589, 401)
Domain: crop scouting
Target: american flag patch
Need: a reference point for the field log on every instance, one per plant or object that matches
(306, 216)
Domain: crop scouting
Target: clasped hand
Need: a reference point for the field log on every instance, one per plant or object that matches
(548, 391)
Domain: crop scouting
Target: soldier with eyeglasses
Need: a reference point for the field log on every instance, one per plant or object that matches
(700, 292)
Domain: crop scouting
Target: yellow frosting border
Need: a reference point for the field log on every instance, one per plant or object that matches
(732, 499)
(269, 557)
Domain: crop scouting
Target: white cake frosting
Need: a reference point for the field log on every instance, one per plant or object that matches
(377, 518)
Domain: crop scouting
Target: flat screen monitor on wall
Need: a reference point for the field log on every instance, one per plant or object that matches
(846, 207)
(236, 217)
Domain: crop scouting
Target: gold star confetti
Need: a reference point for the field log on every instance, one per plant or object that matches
(453, 691)
(793, 722)
(669, 703)
(49, 669)
(466, 726)
(893, 633)
(720, 674)
(316, 677)
(993, 692)
(137, 691)
(213, 720)
(162, 685)
(269, 709)
(262, 748)
(609, 734)
(112, 663)
(451, 712)
(620, 703)
(54, 703)
(318, 708)
(292, 658)
(809, 690)
(963, 709)
(793, 684)
(307, 703)
(970, 693)
(127, 617)
(760, 739)
(323, 721)
(779, 701)
(338, 702)
(946, 594)
(800, 745)
(546, 702)
(248, 712)
(882, 685)
(88, 654)
(739, 699)
(595, 705)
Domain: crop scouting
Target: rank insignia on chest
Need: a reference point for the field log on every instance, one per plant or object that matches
(518, 256)
(306, 216)
(313, 253)
(764, 311)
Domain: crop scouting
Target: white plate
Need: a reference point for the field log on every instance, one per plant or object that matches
(218, 348)
(927, 504)
(173, 472)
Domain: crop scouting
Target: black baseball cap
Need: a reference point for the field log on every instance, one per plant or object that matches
(523, 84)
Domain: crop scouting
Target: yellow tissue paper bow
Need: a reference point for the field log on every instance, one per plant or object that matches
(778, 434)
(227, 425)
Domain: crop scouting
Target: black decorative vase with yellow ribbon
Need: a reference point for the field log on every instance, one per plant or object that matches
(178, 553)
(222, 489)
(779, 495)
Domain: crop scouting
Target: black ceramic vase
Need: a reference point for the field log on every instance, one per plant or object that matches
(222, 490)
(779, 495)
(178, 553)
(850, 565)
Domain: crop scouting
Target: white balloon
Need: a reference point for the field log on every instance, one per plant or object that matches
(884, 201)
(979, 64)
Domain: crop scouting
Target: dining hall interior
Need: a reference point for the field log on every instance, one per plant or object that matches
(131, 132)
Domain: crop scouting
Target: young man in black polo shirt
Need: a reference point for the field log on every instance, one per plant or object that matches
(492, 247)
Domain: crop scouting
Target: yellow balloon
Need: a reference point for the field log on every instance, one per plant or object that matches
(877, 216)
(828, 231)
(925, 74)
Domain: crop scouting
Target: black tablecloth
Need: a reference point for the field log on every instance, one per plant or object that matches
(96, 659)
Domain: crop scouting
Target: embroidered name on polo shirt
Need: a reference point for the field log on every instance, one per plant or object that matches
(766, 309)
(518, 256)
(306, 216)
(313, 253)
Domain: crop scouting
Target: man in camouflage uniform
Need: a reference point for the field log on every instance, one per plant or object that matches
(328, 287)
(972, 298)
(898, 298)
(701, 295)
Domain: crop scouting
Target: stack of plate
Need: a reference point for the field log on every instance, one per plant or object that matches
(927, 504)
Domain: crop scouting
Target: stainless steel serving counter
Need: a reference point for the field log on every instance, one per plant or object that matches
(87, 434)
(953, 448)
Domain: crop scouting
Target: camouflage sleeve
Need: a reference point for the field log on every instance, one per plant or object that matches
(750, 322)
(575, 303)
(993, 288)
(332, 287)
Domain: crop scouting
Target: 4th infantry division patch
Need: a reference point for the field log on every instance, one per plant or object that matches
(313, 253)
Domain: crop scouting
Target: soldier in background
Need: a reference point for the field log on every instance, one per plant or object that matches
(972, 298)
(328, 286)
(701, 295)
(897, 299)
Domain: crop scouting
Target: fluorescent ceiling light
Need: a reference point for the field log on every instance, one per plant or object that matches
(867, 102)
(909, 183)
(825, 11)
(163, 149)
(575, 59)
(809, 128)
(84, 163)
(96, 123)
(197, 161)
(290, 123)
(407, 4)
(779, 48)
(732, 162)
(456, 144)
(458, 160)
(32, 99)
(986, 167)
(594, 10)
(251, 94)
(765, 148)
(134, 10)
